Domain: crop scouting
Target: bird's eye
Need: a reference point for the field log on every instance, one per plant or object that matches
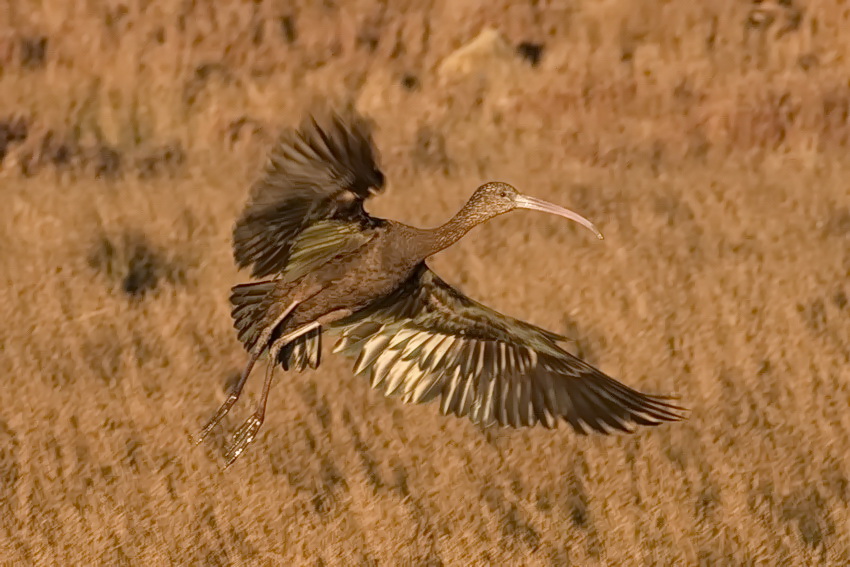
(503, 193)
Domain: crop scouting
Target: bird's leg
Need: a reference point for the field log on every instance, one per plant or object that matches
(234, 394)
(236, 391)
(248, 430)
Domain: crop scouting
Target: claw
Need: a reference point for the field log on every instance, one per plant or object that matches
(216, 419)
(231, 399)
(242, 438)
(248, 430)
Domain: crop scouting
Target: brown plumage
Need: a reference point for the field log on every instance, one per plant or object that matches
(334, 268)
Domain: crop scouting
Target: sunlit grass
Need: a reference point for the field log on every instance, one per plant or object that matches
(708, 144)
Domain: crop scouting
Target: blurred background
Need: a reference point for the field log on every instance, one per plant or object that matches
(708, 141)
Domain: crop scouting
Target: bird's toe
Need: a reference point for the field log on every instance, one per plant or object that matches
(242, 438)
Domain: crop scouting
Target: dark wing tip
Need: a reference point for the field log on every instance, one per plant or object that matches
(672, 412)
(627, 404)
(323, 169)
(346, 137)
(379, 179)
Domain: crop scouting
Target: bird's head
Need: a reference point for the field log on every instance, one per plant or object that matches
(496, 198)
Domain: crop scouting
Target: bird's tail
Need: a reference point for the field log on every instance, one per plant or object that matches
(252, 313)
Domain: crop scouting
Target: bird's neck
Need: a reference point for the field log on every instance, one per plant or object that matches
(444, 236)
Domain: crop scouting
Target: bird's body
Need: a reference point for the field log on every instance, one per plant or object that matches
(329, 266)
(343, 283)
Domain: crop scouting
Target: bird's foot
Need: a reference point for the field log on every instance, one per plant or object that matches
(243, 437)
(216, 419)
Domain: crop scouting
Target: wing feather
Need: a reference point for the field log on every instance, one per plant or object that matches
(429, 340)
(321, 243)
(323, 170)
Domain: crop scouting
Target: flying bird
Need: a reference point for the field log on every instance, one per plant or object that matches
(325, 265)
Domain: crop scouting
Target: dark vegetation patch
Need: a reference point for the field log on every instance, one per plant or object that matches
(531, 52)
(165, 160)
(115, 16)
(288, 29)
(410, 82)
(840, 299)
(310, 395)
(13, 130)
(134, 265)
(106, 162)
(707, 502)
(814, 314)
(242, 127)
(516, 530)
(576, 502)
(371, 466)
(64, 151)
(369, 34)
(808, 61)
(51, 149)
(808, 509)
(429, 150)
(33, 52)
(544, 501)
(332, 484)
(203, 76)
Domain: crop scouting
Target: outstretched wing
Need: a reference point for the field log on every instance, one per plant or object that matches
(429, 340)
(324, 170)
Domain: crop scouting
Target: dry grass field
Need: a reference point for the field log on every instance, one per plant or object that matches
(708, 140)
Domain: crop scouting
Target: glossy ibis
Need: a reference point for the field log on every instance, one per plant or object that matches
(330, 266)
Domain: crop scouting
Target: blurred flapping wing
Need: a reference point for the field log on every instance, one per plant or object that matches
(324, 170)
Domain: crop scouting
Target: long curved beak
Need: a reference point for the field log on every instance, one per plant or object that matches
(526, 202)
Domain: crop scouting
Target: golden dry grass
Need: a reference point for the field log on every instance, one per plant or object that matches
(708, 140)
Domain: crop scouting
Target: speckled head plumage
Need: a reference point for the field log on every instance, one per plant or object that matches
(496, 198)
